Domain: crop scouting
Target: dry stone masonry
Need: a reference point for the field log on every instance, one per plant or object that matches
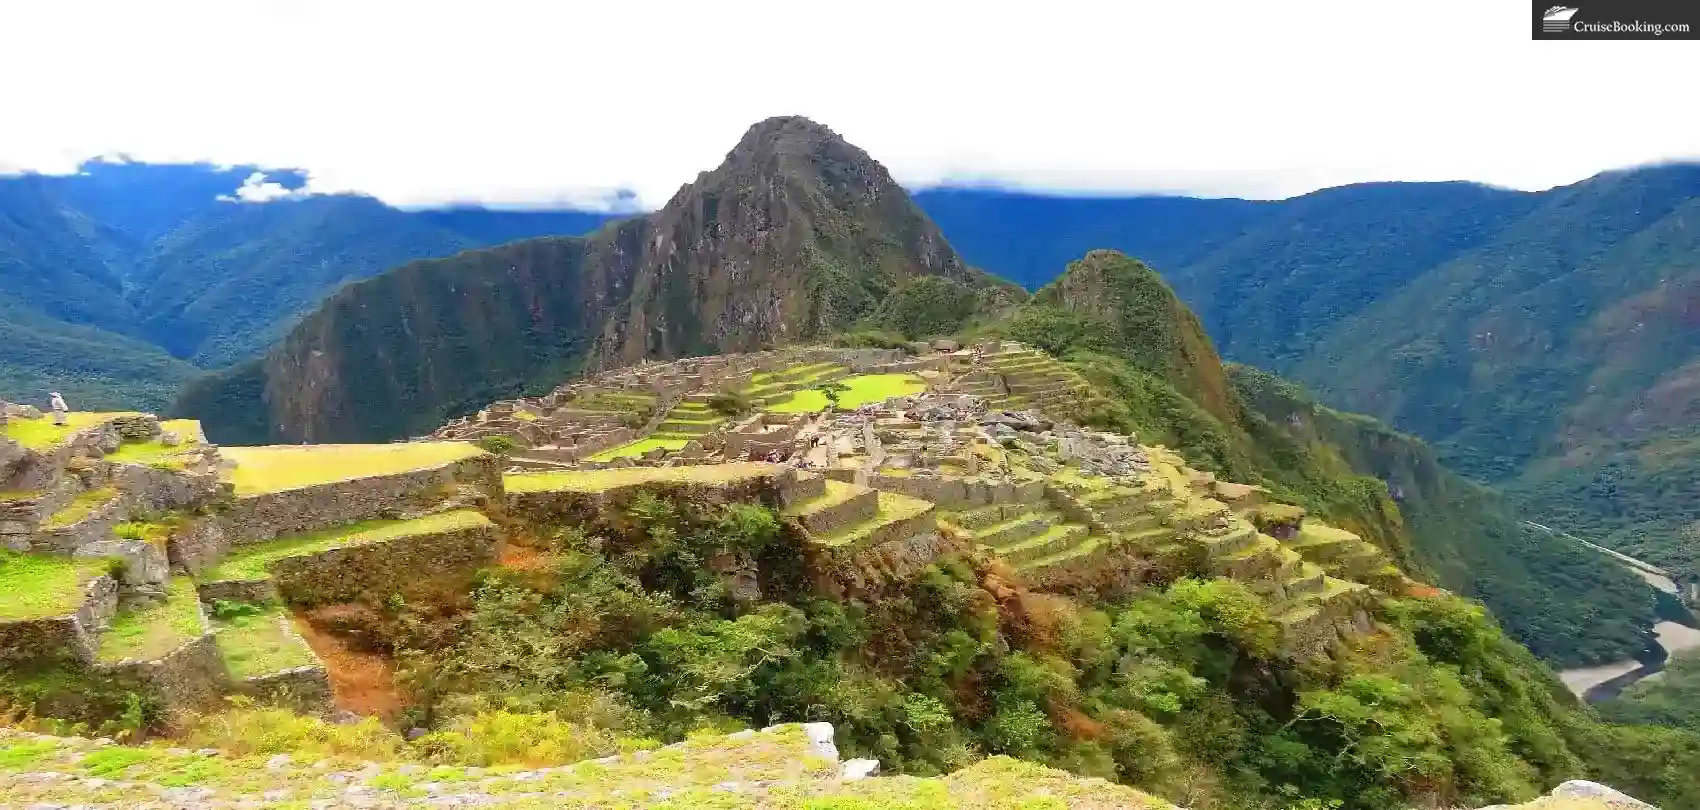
(881, 461)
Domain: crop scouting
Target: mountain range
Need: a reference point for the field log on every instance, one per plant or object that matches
(122, 281)
(801, 236)
(1545, 342)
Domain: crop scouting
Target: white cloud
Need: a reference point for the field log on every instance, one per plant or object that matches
(427, 101)
(257, 189)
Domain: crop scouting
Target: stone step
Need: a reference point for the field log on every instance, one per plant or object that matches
(1081, 549)
(807, 485)
(1311, 580)
(899, 517)
(1261, 560)
(985, 516)
(1238, 539)
(1059, 538)
(837, 508)
(688, 428)
(1016, 529)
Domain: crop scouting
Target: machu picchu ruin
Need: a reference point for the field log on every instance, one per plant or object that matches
(143, 560)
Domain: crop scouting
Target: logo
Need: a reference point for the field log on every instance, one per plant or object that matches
(1557, 19)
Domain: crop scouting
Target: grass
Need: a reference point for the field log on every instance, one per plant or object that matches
(276, 468)
(154, 631)
(154, 451)
(42, 434)
(80, 508)
(861, 390)
(34, 586)
(892, 508)
(261, 644)
(1314, 533)
(603, 480)
(254, 561)
(638, 448)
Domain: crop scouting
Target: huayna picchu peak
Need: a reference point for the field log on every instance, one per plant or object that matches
(795, 236)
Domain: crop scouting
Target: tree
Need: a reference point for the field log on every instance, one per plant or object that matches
(832, 391)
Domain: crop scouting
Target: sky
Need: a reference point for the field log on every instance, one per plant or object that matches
(551, 103)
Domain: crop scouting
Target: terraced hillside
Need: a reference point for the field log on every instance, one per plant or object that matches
(941, 577)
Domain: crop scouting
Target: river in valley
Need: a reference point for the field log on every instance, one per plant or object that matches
(1606, 681)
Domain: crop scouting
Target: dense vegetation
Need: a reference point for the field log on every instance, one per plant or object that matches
(1541, 341)
(1672, 699)
(1116, 320)
(107, 275)
(612, 641)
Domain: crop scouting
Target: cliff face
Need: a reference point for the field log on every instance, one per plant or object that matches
(797, 234)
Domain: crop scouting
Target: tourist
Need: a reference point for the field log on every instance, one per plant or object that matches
(61, 411)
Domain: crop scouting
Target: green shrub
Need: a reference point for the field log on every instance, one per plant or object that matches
(500, 445)
(730, 403)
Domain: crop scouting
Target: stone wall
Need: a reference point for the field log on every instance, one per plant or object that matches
(303, 689)
(865, 572)
(345, 574)
(189, 678)
(253, 591)
(154, 489)
(255, 518)
(57, 638)
(951, 492)
(594, 510)
(94, 528)
(197, 544)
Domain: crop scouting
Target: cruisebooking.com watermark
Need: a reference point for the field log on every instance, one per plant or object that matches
(1637, 27)
(1621, 19)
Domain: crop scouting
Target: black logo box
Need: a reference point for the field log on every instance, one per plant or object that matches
(1620, 19)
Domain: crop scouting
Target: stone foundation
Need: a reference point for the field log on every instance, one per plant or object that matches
(304, 689)
(255, 518)
(348, 573)
(197, 545)
(62, 637)
(190, 678)
(252, 591)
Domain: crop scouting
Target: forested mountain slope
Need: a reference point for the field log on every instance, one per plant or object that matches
(1542, 341)
(136, 264)
(1123, 327)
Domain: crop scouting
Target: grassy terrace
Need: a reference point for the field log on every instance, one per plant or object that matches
(80, 507)
(892, 508)
(155, 452)
(275, 468)
(36, 586)
(602, 480)
(254, 561)
(42, 434)
(1313, 533)
(155, 631)
(261, 644)
(862, 389)
(639, 447)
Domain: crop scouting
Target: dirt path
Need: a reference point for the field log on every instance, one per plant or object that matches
(361, 682)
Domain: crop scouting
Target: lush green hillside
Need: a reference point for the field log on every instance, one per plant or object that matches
(1126, 330)
(796, 235)
(151, 253)
(1542, 341)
